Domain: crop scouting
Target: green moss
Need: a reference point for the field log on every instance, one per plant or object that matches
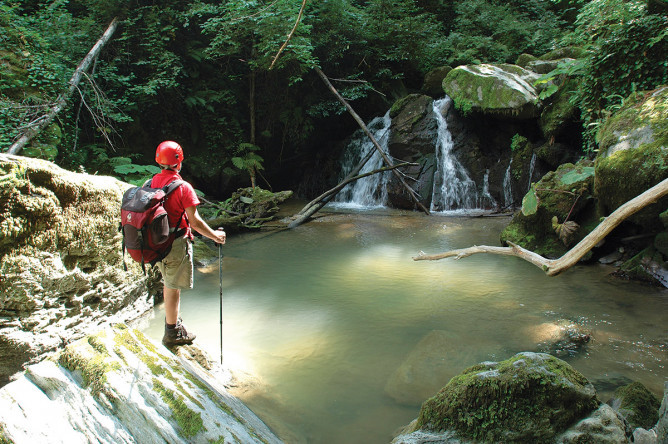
(397, 106)
(92, 365)
(573, 52)
(521, 399)
(638, 405)
(634, 268)
(524, 59)
(3, 436)
(558, 110)
(189, 421)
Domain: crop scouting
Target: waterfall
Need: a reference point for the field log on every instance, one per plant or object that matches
(507, 187)
(486, 196)
(453, 188)
(532, 165)
(370, 191)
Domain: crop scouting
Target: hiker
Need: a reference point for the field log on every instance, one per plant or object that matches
(177, 267)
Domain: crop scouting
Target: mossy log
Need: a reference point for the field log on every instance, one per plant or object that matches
(553, 267)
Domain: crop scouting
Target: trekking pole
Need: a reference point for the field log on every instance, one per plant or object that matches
(220, 275)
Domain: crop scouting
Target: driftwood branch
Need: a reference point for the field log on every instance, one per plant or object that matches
(553, 267)
(329, 194)
(45, 120)
(360, 122)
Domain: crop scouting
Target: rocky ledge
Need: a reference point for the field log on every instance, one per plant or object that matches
(119, 387)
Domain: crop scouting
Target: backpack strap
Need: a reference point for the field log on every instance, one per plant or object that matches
(168, 189)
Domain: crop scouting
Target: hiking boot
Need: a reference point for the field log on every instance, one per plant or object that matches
(177, 335)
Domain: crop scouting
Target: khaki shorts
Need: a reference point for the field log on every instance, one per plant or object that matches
(177, 267)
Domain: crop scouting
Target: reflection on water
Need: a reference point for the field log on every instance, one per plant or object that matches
(328, 322)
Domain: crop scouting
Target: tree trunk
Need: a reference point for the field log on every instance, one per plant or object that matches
(553, 267)
(45, 120)
(386, 159)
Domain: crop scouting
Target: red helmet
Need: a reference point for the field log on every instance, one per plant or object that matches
(169, 153)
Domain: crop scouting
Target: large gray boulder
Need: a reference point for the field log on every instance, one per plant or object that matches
(412, 139)
(499, 90)
(119, 387)
(60, 260)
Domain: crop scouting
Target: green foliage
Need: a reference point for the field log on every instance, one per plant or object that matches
(247, 159)
(530, 201)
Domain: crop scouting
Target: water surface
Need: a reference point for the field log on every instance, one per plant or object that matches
(318, 320)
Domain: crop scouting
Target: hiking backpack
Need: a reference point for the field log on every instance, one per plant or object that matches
(147, 236)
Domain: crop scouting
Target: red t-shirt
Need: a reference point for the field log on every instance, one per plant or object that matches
(180, 199)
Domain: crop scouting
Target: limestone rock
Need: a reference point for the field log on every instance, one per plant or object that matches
(60, 260)
(604, 426)
(531, 397)
(120, 387)
(501, 90)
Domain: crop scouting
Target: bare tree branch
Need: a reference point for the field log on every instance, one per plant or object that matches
(553, 267)
(294, 28)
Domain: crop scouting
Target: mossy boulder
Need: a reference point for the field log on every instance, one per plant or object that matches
(633, 156)
(433, 81)
(564, 194)
(531, 397)
(60, 260)
(524, 59)
(559, 112)
(637, 405)
(499, 90)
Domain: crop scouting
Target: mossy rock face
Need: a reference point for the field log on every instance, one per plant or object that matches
(559, 111)
(531, 397)
(633, 155)
(500, 90)
(638, 405)
(60, 259)
(566, 192)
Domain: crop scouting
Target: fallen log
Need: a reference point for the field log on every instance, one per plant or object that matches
(46, 119)
(552, 267)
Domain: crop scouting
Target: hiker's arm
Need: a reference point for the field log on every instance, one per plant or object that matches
(198, 224)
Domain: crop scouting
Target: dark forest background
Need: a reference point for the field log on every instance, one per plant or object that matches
(200, 72)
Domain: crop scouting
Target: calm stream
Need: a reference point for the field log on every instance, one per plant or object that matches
(318, 319)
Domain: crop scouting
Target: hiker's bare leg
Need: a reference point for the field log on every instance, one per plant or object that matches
(172, 299)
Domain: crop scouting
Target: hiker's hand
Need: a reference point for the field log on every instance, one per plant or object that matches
(220, 236)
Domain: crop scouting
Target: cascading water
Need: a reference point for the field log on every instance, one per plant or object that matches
(532, 166)
(507, 187)
(370, 191)
(453, 188)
